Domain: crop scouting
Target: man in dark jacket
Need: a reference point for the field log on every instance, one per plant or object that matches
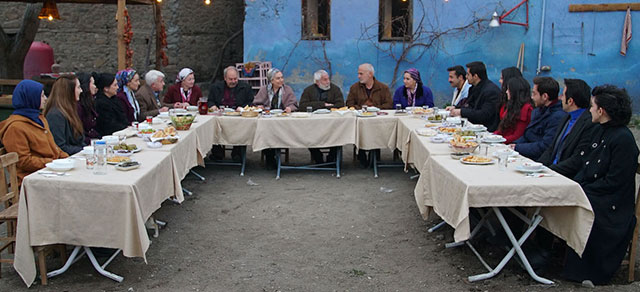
(572, 139)
(544, 119)
(322, 95)
(230, 93)
(483, 103)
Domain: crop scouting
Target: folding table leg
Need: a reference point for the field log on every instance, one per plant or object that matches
(199, 176)
(243, 155)
(278, 162)
(100, 268)
(338, 161)
(515, 249)
(73, 257)
(436, 227)
(374, 161)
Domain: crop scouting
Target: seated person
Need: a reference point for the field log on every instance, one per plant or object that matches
(545, 119)
(368, 91)
(128, 84)
(111, 118)
(484, 99)
(413, 93)
(322, 95)
(515, 114)
(61, 114)
(573, 137)
(230, 93)
(275, 95)
(86, 106)
(26, 131)
(148, 95)
(608, 179)
(458, 80)
(184, 93)
(505, 75)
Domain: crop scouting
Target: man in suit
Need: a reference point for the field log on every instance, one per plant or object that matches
(148, 95)
(483, 103)
(544, 119)
(573, 137)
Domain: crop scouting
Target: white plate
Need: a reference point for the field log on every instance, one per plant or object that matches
(365, 116)
(476, 128)
(478, 163)
(118, 167)
(512, 153)
(56, 167)
(322, 111)
(520, 168)
(276, 111)
(426, 132)
(372, 109)
(488, 140)
(300, 115)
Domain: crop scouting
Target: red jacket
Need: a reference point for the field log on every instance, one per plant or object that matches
(518, 130)
(173, 95)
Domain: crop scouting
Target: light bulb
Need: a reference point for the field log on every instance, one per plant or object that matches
(50, 17)
(207, 2)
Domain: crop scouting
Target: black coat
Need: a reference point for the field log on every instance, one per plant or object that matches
(539, 133)
(242, 92)
(577, 141)
(311, 97)
(111, 117)
(608, 179)
(63, 132)
(483, 105)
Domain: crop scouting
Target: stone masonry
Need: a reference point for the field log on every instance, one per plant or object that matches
(85, 38)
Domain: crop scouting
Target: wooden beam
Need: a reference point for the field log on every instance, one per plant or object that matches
(122, 50)
(134, 2)
(604, 7)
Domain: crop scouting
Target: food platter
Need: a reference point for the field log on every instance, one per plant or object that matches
(117, 159)
(477, 160)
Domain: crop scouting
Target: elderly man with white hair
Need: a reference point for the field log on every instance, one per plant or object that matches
(148, 95)
(369, 91)
(321, 94)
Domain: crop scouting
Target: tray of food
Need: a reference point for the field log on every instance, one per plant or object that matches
(477, 160)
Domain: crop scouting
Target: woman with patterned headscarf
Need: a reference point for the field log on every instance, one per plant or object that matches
(184, 93)
(413, 92)
(276, 94)
(128, 83)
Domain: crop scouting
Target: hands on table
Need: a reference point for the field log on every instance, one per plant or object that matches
(183, 105)
(455, 112)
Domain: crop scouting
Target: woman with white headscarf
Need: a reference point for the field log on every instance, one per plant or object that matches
(276, 94)
(184, 92)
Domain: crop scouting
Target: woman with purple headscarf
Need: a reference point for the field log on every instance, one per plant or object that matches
(128, 83)
(413, 92)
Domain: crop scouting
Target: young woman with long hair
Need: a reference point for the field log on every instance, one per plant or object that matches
(62, 115)
(87, 108)
(515, 114)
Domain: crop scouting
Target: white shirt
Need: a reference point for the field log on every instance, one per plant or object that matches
(464, 93)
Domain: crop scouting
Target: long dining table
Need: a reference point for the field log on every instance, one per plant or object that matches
(83, 209)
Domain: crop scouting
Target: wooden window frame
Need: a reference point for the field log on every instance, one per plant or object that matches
(309, 25)
(385, 22)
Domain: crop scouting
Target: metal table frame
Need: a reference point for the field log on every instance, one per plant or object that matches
(319, 166)
(516, 248)
(242, 163)
(375, 164)
(77, 254)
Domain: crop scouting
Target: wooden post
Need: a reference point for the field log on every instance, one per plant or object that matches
(158, 23)
(122, 50)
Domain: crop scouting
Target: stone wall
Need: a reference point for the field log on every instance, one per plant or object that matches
(85, 38)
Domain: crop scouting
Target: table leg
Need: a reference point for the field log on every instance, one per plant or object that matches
(243, 155)
(338, 161)
(202, 178)
(436, 227)
(374, 161)
(515, 249)
(100, 268)
(278, 162)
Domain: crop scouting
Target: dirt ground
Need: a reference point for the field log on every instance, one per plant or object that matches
(308, 231)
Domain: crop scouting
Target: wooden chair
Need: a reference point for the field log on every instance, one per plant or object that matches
(633, 249)
(8, 197)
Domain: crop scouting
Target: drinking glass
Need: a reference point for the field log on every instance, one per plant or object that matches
(398, 107)
(503, 160)
(149, 120)
(90, 161)
(309, 109)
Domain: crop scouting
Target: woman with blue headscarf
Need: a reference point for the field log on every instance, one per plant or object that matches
(26, 131)
(413, 93)
(128, 83)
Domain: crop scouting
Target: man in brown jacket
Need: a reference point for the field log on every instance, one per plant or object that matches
(369, 91)
(148, 95)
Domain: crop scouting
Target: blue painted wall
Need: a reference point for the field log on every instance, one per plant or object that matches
(581, 45)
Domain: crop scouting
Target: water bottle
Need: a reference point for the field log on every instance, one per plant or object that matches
(100, 151)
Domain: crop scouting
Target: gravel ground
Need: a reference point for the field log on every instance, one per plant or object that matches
(308, 231)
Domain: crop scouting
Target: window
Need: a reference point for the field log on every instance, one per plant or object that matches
(315, 19)
(395, 20)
